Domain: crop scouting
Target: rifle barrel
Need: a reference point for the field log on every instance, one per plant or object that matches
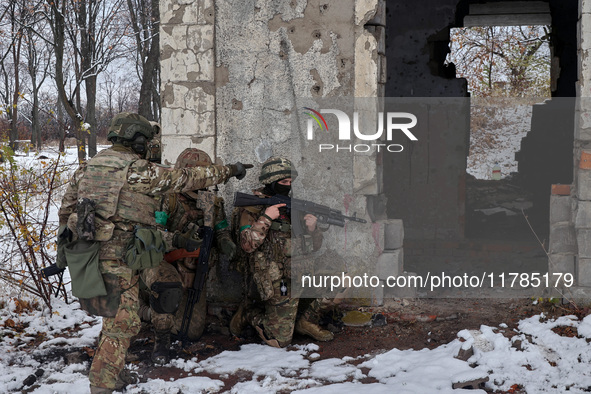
(243, 199)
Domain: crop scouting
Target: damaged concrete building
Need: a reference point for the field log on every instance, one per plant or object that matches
(235, 75)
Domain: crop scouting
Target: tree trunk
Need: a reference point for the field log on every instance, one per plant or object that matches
(16, 51)
(59, 35)
(91, 114)
(35, 126)
(35, 132)
(150, 67)
(61, 124)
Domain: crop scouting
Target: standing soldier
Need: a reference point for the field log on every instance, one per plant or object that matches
(264, 233)
(186, 212)
(108, 233)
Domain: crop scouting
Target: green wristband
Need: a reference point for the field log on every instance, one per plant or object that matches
(221, 225)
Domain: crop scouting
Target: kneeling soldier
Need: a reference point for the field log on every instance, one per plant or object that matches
(187, 212)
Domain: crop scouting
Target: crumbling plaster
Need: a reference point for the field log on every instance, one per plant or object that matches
(280, 57)
(236, 74)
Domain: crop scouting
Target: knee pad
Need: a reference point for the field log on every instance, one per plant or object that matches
(167, 298)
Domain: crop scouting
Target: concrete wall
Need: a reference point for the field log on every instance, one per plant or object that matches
(570, 209)
(552, 122)
(417, 44)
(187, 61)
(235, 76)
(429, 188)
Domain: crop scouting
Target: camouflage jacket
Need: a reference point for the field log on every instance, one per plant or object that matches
(184, 213)
(262, 238)
(135, 197)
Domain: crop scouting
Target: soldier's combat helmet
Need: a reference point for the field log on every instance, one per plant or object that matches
(126, 125)
(192, 157)
(275, 169)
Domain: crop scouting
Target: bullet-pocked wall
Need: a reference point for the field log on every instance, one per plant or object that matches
(430, 189)
(428, 192)
(235, 74)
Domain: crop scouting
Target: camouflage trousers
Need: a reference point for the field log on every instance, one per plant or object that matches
(109, 358)
(166, 272)
(277, 315)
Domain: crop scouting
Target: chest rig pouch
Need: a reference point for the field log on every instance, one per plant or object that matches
(271, 262)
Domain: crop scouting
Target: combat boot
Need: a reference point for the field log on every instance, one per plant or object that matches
(160, 354)
(125, 378)
(238, 321)
(306, 327)
(100, 390)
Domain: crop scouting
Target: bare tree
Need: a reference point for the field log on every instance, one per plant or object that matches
(95, 30)
(38, 55)
(145, 21)
(57, 11)
(119, 90)
(15, 13)
(516, 57)
(100, 30)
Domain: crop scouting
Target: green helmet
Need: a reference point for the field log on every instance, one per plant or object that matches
(125, 125)
(275, 169)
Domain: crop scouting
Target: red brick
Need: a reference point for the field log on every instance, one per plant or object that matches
(561, 190)
(585, 162)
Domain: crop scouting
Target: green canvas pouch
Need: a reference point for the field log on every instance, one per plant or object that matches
(107, 305)
(83, 262)
(146, 249)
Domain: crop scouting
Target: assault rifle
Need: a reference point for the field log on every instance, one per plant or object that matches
(205, 201)
(324, 214)
(194, 292)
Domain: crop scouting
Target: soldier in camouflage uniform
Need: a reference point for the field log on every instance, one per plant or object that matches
(264, 233)
(186, 212)
(124, 193)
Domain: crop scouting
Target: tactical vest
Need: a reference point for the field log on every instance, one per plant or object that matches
(182, 211)
(277, 247)
(105, 182)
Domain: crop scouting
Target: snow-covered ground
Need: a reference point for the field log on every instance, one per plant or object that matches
(497, 127)
(533, 357)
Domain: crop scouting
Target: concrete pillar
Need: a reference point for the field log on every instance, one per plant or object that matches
(187, 64)
(581, 193)
(562, 245)
(390, 263)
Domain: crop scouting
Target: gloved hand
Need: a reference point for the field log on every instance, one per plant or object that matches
(183, 241)
(239, 170)
(227, 247)
(64, 235)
